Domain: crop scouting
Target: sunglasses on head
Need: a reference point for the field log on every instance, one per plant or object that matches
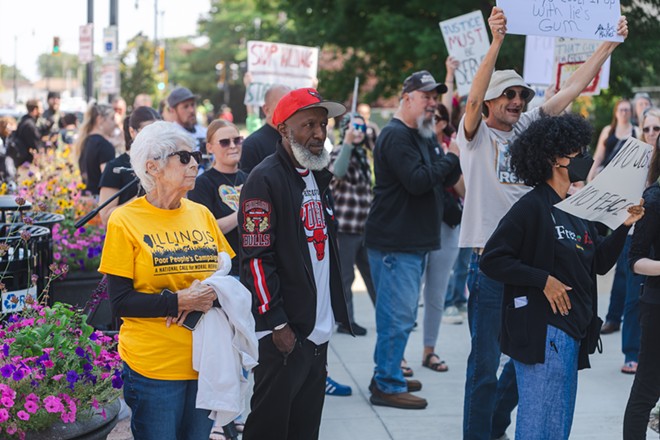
(511, 94)
(225, 143)
(185, 155)
(655, 129)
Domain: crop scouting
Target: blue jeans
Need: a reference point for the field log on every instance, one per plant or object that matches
(397, 277)
(548, 390)
(631, 332)
(488, 401)
(456, 289)
(164, 409)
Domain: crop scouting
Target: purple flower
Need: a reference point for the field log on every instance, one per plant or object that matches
(80, 352)
(18, 375)
(7, 371)
(5, 350)
(88, 367)
(93, 337)
(72, 377)
(117, 382)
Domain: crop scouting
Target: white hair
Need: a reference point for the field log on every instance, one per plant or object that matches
(155, 142)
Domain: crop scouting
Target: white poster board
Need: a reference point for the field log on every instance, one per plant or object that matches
(591, 19)
(86, 43)
(466, 39)
(541, 66)
(277, 63)
(620, 185)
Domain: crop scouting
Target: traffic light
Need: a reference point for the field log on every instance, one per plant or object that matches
(56, 45)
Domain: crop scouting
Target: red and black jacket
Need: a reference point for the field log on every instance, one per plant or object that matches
(273, 251)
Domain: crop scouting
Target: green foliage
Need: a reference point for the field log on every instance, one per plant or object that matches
(7, 73)
(137, 68)
(57, 66)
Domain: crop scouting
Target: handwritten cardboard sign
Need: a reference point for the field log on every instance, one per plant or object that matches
(543, 56)
(590, 19)
(466, 39)
(278, 63)
(620, 185)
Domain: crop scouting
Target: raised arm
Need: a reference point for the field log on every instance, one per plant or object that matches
(497, 24)
(584, 75)
(451, 64)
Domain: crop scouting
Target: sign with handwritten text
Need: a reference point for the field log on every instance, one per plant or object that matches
(590, 19)
(277, 63)
(570, 54)
(466, 39)
(620, 185)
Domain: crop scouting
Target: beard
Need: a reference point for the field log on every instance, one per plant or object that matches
(306, 158)
(426, 127)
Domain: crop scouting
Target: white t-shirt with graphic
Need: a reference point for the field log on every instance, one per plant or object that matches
(313, 220)
(491, 188)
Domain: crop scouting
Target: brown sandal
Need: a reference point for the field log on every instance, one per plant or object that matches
(405, 369)
(440, 367)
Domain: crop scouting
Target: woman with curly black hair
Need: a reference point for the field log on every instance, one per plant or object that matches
(548, 261)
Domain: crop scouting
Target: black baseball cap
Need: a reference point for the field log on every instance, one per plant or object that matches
(52, 95)
(423, 81)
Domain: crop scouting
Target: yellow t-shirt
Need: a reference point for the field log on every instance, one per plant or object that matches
(158, 249)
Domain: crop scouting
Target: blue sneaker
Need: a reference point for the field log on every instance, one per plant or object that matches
(333, 388)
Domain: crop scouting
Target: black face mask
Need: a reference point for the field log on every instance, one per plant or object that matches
(578, 167)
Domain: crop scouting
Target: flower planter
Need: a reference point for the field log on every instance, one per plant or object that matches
(75, 288)
(94, 428)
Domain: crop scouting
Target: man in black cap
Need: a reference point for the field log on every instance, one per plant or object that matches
(181, 103)
(403, 225)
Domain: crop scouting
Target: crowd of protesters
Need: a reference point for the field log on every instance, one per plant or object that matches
(282, 218)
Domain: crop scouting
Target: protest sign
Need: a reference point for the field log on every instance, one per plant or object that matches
(277, 63)
(591, 19)
(570, 54)
(466, 39)
(620, 185)
(542, 58)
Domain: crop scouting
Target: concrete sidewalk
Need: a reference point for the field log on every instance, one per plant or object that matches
(602, 391)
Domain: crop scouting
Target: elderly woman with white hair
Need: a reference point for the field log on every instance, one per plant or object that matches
(157, 250)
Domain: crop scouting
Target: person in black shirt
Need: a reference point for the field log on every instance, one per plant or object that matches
(92, 146)
(262, 142)
(118, 172)
(219, 188)
(643, 259)
(548, 261)
(28, 136)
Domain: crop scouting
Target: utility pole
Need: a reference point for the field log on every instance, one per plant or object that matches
(114, 13)
(155, 23)
(89, 85)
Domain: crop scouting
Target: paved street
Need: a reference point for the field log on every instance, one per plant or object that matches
(602, 391)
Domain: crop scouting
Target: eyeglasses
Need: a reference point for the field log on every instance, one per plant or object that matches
(225, 143)
(655, 129)
(511, 94)
(360, 127)
(185, 155)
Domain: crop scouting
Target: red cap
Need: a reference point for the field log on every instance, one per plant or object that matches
(302, 99)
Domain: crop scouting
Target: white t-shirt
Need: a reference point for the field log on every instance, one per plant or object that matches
(313, 220)
(491, 188)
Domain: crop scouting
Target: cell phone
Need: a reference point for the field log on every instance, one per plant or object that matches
(192, 320)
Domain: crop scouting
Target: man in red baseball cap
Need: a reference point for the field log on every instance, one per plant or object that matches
(288, 259)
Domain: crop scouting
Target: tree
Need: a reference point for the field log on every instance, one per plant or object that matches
(7, 73)
(137, 68)
(57, 66)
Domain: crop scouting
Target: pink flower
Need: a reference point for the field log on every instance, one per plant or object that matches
(68, 417)
(95, 403)
(57, 377)
(7, 402)
(11, 429)
(31, 406)
(53, 404)
(32, 398)
(4, 415)
(23, 415)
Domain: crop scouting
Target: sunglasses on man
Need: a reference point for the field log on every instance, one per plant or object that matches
(185, 155)
(511, 94)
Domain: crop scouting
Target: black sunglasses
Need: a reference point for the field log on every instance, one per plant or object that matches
(185, 155)
(655, 129)
(511, 93)
(225, 143)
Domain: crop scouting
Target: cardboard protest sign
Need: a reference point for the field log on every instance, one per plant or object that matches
(620, 185)
(591, 19)
(543, 56)
(278, 63)
(466, 39)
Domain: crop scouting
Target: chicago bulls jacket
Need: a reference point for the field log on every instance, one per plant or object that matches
(273, 252)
